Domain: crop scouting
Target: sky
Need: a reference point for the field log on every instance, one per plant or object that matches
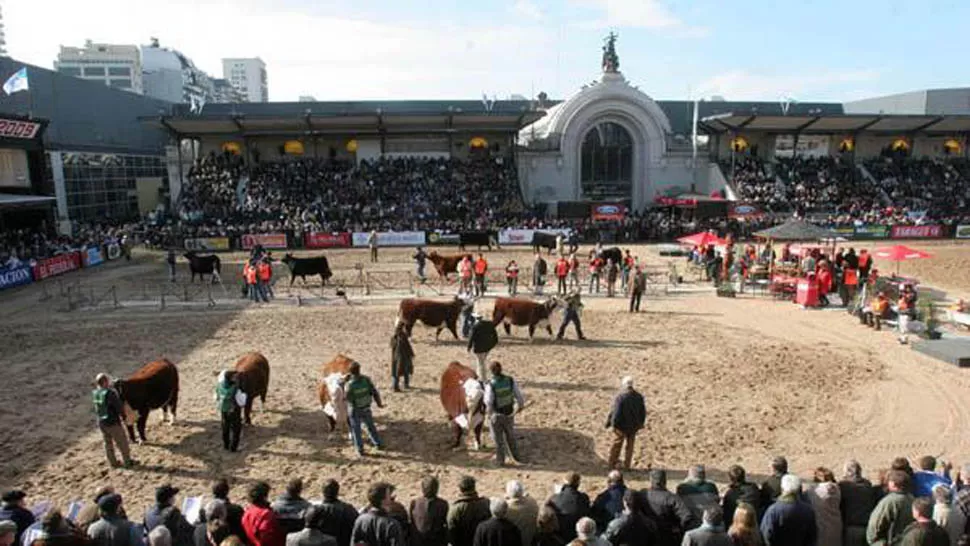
(805, 50)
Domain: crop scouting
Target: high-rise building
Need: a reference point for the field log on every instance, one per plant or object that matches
(223, 91)
(170, 75)
(248, 76)
(117, 66)
(3, 36)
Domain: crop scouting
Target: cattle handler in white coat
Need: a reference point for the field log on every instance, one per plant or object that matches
(502, 395)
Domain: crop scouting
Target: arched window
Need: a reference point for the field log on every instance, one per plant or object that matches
(607, 162)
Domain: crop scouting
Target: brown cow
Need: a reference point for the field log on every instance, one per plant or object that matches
(155, 385)
(521, 312)
(435, 314)
(462, 396)
(446, 265)
(252, 376)
(333, 399)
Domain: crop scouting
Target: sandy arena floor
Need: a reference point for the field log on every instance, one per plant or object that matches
(727, 381)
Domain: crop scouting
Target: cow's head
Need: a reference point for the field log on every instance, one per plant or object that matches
(287, 258)
(338, 397)
(128, 414)
(190, 254)
(434, 256)
(552, 302)
(473, 394)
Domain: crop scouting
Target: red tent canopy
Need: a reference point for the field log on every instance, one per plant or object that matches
(898, 253)
(702, 239)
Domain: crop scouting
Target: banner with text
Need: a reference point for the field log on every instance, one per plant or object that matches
(963, 232)
(524, 236)
(15, 276)
(391, 238)
(58, 265)
(871, 232)
(608, 211)
(436, 238)
(266, 240)
(917, 232)
(93, 256)
(207, 243)
(326, 240)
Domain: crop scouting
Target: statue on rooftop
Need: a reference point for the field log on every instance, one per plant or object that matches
(611, 61)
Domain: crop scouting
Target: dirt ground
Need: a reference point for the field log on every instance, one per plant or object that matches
(727, 381)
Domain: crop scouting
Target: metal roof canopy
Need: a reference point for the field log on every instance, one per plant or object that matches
(13, 200)
(827, 124)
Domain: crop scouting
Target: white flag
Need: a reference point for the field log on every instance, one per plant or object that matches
(17, 82)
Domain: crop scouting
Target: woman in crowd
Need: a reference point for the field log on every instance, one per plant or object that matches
(744, 528)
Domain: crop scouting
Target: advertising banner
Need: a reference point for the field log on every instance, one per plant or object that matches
(917, 232)
(391, 238)
(58, 265)
(326, 240)
(744, 210)
(871, 232)
(92, 256)
(608, 212)
(266, 240)
(963, 232)
(12, 128)
(15, 276)
(435, 238)
(208, 243)
(524, 236)
(847, 232)
(114, 251)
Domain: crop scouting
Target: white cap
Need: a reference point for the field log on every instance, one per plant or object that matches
(627, 382)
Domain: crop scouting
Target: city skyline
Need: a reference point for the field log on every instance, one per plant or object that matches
(337, 49)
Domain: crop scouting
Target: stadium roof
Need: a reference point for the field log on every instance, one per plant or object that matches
(360, 117)
(11, 200)
(821, 123)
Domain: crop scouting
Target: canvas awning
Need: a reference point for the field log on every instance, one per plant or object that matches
(797, 230)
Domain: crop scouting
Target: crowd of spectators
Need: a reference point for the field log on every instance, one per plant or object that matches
(906, 504)
(20, 246)
(755, 182)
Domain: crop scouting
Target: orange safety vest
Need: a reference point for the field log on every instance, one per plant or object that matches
(879, 306)
(863, 261)
(265, 272)
(481, 266)
(851, 277)
(562, 268)
(249, 273)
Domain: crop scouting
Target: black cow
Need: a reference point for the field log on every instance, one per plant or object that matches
(478, 238)
(614, 254)
(301, 267)
(542, 239)
(203, 265)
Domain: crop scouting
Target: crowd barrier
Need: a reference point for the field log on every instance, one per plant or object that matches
(60, 264)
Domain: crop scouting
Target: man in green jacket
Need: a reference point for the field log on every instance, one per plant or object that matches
(110, 414)
(893, 513)
(361, 393)
(229, 401)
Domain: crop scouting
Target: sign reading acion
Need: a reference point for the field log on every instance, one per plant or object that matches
(12, 128)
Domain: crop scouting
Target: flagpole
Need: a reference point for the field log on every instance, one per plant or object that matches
(30, 97)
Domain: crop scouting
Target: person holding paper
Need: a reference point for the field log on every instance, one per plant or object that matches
(230, 400)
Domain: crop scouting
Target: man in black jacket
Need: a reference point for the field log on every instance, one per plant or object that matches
(13, 510)
(290, 507)
(481, 341)
(164, 513)
(740, 490)
(338, 516)
(859, 498)
(627, 417)
(671, 514)
(497, 531)
(633, 527)
(234, 512)
(571, 504)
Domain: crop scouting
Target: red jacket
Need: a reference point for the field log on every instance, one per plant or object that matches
(265, 272)
(261, 527)
(562, 268)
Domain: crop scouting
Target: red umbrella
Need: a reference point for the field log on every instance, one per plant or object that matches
(703, 238)
(898, 253)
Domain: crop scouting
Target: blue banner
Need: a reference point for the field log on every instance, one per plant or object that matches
(16, 276)
(92, 257)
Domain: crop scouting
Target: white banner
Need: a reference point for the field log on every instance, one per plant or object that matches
(524, 236)
(391, 238)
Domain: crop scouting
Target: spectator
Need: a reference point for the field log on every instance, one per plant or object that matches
(697, 492)
(259, 521)
(213, 527)
(160, 536)
(466, 512)
(771, 487)
(12, 508)
(924, 531)
(789, 521)
(826, 499)
(744, 527)
(893, 513)
(941, 505)
(396, 511)
(523, 510)
(586, 534)
(859, 498)
(374, 527)
(547, 527)
(926, 477)
(338, 517)
(90, 513)
(113, 529)
(739, 490)
(711, 532)
(290, 507)
(429, 516)
(958, 524)
(480, 268)
(8, 532)
(571, 504)
(497, 531)
(632, 527)
(234, 512)
(311, 534)
(539, 269)
(673, 518)
(57, 531)
(609, 504)
(164, 513)
(627, 417)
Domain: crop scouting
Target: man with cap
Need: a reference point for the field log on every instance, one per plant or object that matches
(482, 339)
(571, 314)
(108, 408)
(13, 509)
(113, 529)
(164, 513)
(502, 394)
(361, 393)
(626, 418)
(229, 401)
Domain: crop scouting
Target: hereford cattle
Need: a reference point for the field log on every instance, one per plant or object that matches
(521, 312)
(462, 396)
(542, 239)
(446, 265)
(203, 265)
(435, 314)
(479, 239)
(614, 254)
(155, 385)
(252, 376)
(330, 391)
(301, 267)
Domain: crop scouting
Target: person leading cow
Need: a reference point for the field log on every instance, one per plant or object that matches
(230, 401)
(361, 393)
(502, 394)
(107, 406)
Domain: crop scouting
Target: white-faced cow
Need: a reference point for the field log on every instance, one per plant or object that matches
(521, 312)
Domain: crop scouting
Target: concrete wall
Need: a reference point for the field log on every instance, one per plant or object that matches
(948, 101)
(903, 103)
